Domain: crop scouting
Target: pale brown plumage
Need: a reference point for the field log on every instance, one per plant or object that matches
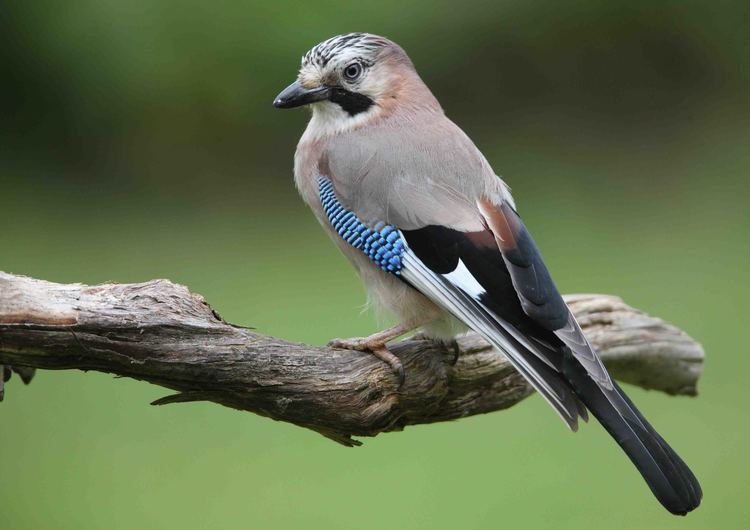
(380, 139)
(406, 150)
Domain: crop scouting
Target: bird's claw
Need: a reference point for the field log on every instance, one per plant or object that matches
(378, 349)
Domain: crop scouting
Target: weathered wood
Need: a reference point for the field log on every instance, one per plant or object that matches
(162, 333)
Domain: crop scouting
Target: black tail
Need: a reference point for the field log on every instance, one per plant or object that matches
(666, 474)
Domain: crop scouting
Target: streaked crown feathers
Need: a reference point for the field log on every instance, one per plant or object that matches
(352, 43)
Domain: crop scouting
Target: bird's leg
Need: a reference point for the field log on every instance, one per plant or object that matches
(376, 344)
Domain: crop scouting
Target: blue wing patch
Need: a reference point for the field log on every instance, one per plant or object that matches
(382, 243)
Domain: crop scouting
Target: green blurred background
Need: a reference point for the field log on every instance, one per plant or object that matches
(138, 140)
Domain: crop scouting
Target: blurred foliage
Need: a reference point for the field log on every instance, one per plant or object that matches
(138, 140)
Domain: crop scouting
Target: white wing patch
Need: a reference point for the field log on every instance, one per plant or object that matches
(461, 277)
(443, 291)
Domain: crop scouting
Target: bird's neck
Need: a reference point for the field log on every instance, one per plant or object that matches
(407, 97)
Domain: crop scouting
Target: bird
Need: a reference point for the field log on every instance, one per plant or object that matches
(436, 237)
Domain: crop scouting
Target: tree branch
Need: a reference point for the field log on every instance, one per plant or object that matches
(160, 332)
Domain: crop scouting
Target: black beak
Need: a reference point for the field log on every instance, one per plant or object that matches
(296, 95)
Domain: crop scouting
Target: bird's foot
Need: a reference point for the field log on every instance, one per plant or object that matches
(376, 345)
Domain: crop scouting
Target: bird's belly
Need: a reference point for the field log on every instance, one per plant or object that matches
(388, 295)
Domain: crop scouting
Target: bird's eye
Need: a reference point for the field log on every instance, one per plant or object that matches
(353, 71)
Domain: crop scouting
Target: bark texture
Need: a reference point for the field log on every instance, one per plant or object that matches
(162, 333)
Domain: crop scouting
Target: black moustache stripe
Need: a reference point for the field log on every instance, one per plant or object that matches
(352, 102)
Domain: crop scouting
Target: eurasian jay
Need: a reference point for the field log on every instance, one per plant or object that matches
(435, 236)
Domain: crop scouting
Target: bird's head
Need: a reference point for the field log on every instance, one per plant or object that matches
(353, 76)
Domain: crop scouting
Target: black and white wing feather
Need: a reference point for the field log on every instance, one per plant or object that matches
(460, 294)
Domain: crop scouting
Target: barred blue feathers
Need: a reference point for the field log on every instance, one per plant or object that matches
(382, 243)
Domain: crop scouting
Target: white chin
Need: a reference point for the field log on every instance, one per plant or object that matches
(329, 118)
